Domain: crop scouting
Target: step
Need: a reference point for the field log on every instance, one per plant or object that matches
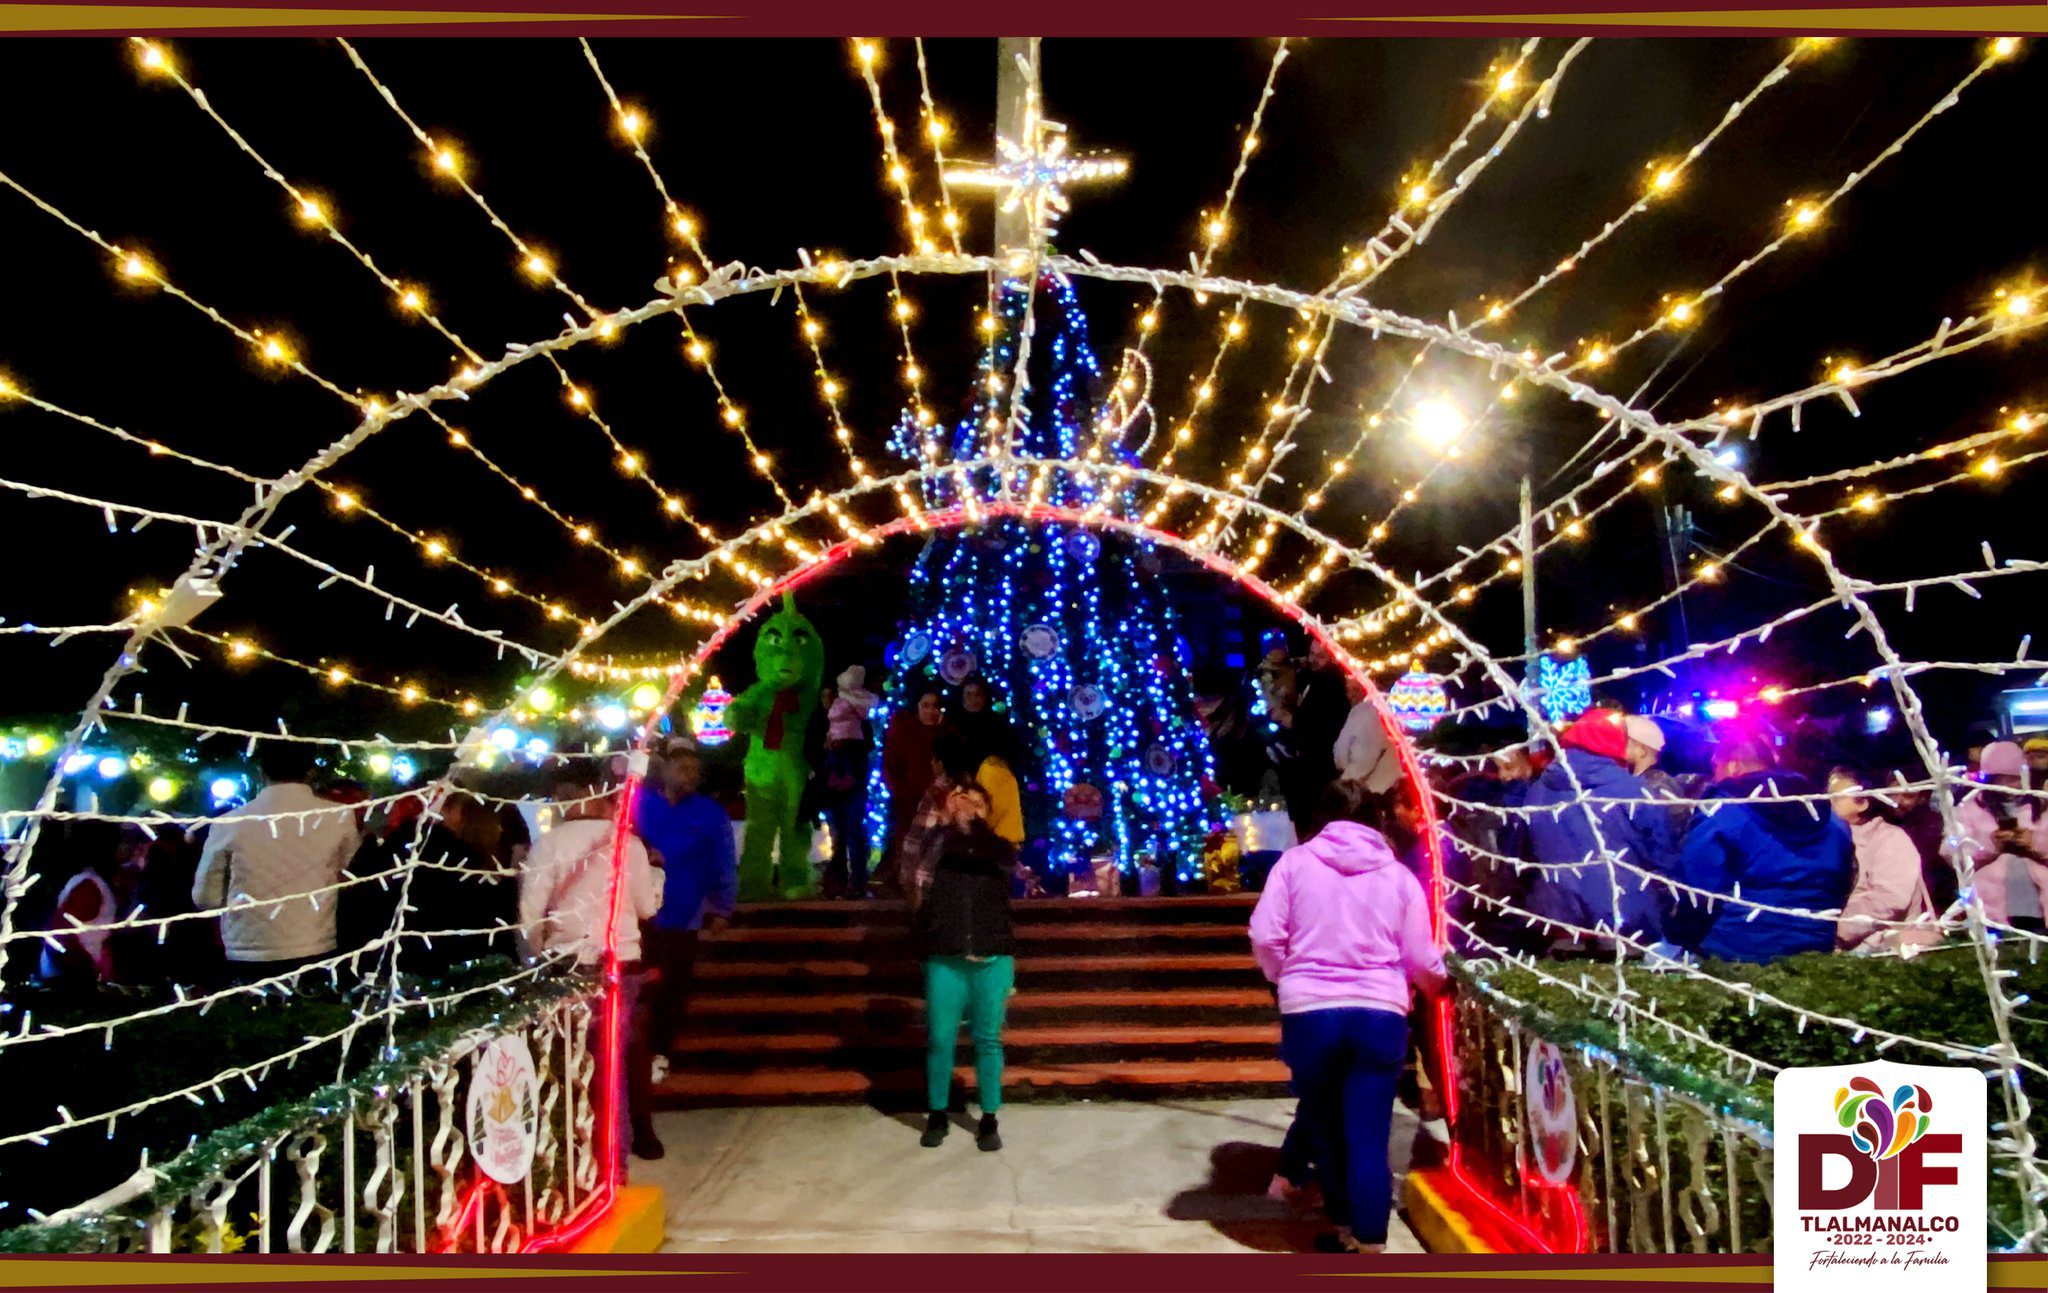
(1133, 1035)
(1162, 965)
(1202, 909)
(1143, 1078)
(811, 1003)
(900, 1043)
(1028, 932)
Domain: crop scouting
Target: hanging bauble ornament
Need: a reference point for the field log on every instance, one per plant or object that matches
(958, 665)
(916, 646)
(1419, 700)
(1088, 700)
(1159, 760)
(1082, 802)
(1039, 641)
(707, 716)
(1083, 546)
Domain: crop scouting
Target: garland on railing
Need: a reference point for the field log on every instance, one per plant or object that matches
(215, 1154)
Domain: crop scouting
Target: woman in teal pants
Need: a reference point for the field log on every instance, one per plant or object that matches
(962, 930)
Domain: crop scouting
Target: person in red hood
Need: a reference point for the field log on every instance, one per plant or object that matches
(1592, 805)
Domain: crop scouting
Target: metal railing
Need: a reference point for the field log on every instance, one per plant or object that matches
(1630, 1165)
(389, 1170)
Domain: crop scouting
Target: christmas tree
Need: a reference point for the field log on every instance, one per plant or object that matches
(1070, 630)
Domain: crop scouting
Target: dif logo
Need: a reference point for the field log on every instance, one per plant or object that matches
(1880, 1176)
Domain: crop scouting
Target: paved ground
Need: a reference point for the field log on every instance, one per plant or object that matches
(1080, 1177)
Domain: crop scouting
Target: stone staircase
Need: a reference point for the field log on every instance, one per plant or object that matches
(1117, 998)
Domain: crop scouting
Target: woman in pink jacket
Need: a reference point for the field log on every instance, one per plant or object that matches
(1888, 887)
(2005, 841)
(1342, 929)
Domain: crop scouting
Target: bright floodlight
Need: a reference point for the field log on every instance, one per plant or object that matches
(1438, 424)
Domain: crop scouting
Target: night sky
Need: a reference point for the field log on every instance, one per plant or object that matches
(772, 147)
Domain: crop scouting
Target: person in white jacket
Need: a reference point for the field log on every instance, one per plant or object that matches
(566, 901)
(1364, 755)
(272, 867)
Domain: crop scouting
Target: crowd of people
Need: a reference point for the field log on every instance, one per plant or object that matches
(1771, 853)
(1549, 851)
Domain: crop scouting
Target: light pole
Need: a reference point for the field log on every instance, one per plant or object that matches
(1525, 538)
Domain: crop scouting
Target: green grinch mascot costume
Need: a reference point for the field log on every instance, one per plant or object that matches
(789, 669)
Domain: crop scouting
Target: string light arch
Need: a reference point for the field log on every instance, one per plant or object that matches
(769, 557)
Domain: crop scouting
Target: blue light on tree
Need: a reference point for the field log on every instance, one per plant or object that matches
(1071, 632)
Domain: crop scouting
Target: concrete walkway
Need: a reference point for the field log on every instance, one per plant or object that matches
(1081, 1177)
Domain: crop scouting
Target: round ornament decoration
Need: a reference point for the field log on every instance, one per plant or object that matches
(1149, 561)
(1039, 641)
(1082, 802)
(1083, 546)
(1419, 700)
(1159, 760)
(958, 665)
(707, 716)
(1553, 1114)
(1088, 700)
(916, 646)
(504, 1110)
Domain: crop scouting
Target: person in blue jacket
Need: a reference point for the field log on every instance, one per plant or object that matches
(1783, 853)
(1575, 888)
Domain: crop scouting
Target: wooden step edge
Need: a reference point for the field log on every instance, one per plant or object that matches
(1164, 963)
(1030, 931)
(1135, 1035)
(813, 1003)
(1114, 1073)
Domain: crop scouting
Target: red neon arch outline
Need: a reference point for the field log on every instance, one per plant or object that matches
(1042, 513)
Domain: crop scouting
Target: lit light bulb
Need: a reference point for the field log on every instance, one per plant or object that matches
(1506, 82)
(2005, 46)
(413, 299)
(154, 58)
(133, 266)
(337, 675)
(1805, 216)
(632, 122)
(1664, 180)
(1438, 424)
(537, 265)
(311, 211)
(1215, 228)
(1418, 194)
(447, 161)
